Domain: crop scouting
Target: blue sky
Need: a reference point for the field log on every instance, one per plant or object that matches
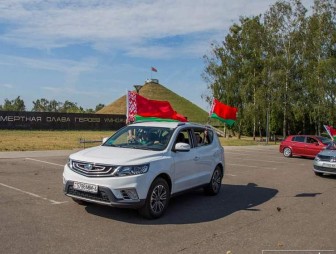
(93, 51)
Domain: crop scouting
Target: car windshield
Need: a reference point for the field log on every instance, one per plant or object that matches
(325, 140)
(331, 146)
(141, 137)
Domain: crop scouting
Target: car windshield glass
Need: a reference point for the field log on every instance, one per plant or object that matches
(331, 146)
(325, 140)
(141, 137)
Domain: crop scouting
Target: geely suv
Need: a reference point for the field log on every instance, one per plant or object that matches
(144, 164)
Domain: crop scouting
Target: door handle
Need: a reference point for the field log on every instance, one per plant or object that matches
(197, 158)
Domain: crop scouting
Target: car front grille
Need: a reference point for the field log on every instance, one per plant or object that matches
(327, 158)
(91, 169)
(100, 196)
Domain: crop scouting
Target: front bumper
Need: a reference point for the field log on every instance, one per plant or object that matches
(104, 197)
(112, 191)
(325, 167)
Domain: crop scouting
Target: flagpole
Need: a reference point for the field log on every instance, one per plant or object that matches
(127, 105)
(326, 127)
(211, 110)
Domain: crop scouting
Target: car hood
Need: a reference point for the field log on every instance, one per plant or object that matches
(116, 155)
(328, 152)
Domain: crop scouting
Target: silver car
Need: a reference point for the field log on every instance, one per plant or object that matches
(325, 161)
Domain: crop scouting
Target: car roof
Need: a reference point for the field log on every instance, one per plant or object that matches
(168, 124)
(303, 135)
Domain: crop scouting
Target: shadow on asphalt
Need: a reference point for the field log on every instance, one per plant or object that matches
(195, 206)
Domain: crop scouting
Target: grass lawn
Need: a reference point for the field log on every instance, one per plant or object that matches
(16, 140)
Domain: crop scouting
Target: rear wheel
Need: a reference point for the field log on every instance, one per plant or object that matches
(215, 184)
(287, 152)
(157, 199)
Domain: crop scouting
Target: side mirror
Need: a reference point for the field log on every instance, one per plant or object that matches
(182, 147)
(104, 140)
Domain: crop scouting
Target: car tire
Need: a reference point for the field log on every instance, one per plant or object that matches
(80, 202)
(157, 199)
(318, 174)
(287, 152)
(215, 183)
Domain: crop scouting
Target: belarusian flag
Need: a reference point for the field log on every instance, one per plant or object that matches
(138, 106)
(152, 119)
(331, 131)
(222, 112)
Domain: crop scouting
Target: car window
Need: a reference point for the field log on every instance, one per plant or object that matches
(203, 136)
(184, 137)
(141, 137)
(325, 140)
(331, 146)
(298, 139)
(311, 140)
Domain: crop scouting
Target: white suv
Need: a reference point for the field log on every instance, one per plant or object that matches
(143, 164)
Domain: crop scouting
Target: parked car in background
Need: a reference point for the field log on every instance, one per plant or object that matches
(143, 164)
(325, 161)
(303, 145)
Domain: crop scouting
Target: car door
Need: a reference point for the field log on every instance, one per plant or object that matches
(205, 152)
(312, 147)
(298, 145)
(186, 164)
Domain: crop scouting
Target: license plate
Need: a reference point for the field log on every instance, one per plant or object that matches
(328, 165)
(86, 187)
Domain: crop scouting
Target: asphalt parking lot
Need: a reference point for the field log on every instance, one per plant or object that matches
(268, 204)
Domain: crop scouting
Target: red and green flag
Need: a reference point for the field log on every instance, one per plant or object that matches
(331, 131)
(142, 109)
(223, 112)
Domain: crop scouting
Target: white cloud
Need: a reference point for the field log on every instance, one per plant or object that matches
(118, 24)
(69, 68)
(8, 86)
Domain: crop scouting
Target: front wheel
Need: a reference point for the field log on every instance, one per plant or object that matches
(215, 184)
(157, 199)
(287, 152)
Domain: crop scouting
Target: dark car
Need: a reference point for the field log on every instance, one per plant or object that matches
(303, 145)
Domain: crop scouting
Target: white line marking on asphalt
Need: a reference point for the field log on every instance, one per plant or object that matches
(249, 166)
(34, 195)
(55, 164)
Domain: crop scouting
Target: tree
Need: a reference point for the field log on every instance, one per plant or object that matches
(283, 21)
(40, 105)
(43, 105)
(71, 107)
(319, 76)
(281, 67)
(99, 107)
(14, 105)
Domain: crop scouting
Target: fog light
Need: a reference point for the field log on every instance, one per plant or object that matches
(130, 194)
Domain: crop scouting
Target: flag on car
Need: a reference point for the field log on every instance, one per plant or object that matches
(331, 131)
(223, 112)
(154, 69)
(139, 108)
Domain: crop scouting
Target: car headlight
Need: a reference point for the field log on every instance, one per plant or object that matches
(69, 163)
(131, 170)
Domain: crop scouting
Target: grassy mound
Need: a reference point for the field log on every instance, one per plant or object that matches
(156, 91)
